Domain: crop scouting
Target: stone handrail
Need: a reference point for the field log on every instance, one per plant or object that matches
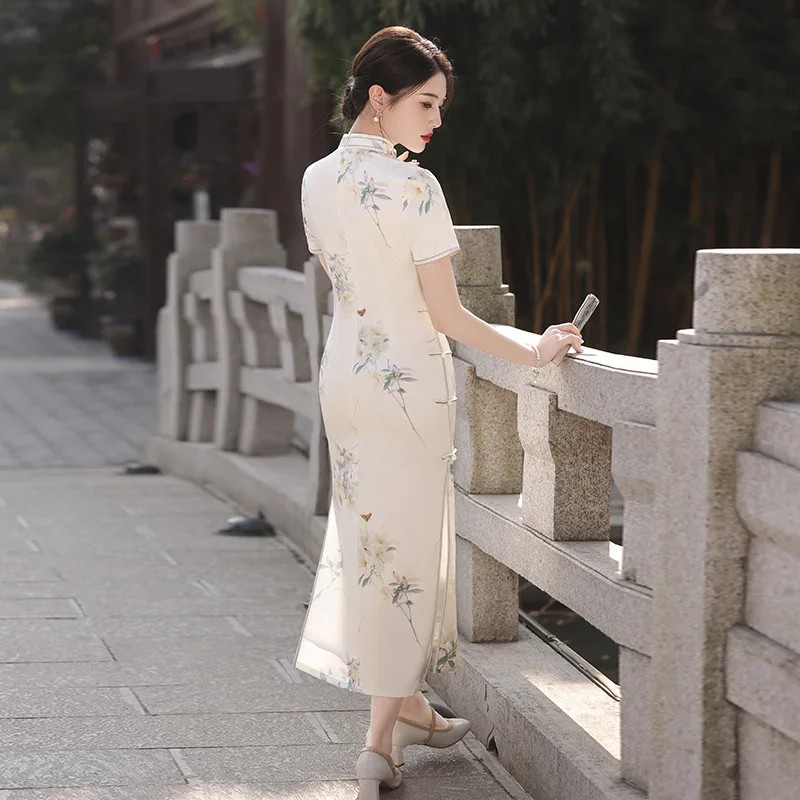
(534, 474)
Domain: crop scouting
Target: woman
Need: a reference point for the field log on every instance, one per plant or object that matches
(382, 610)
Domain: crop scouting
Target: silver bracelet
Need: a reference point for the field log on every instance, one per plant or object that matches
(538, 363)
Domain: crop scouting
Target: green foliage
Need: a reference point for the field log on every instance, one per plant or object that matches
(51, 50)
(56, 256)
(241, 14)
(610, 139)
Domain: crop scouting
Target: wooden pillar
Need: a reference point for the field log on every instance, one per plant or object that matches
(272, 110)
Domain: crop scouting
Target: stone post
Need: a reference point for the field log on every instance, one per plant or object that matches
(744, 349)
(566, 482)
(478, 269)
(317, 295)
(194, 243)
(249, 239)
(489, 453)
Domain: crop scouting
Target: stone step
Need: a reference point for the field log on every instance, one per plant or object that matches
(777, 432)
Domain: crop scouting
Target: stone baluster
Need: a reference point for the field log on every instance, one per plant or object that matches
(744, 349)
(194, 244)
(566, 482)
(249, 238)
(489, 454)
(317, 298)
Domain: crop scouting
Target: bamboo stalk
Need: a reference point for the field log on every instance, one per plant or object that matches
(648, 233)
(602, 282)
(711, 206)
(631, 207)
(554, 258)
(772, 193)
(536, 254)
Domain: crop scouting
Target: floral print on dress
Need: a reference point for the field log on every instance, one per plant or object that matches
(323, 362)
(447, 658)
(343, 287)
(376, 550)
(383, 610)
(345, 479)
(421, 192)
(370, 192)
(373, 343)
(335, 569)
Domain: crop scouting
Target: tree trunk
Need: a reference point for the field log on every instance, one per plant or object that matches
(555, 257)
(536, 253)
(772, 194)
(648, 232)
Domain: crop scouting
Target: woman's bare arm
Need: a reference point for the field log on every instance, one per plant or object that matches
(452, 319)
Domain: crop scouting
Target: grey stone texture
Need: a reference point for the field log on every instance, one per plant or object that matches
(145, 657)
(703, 443)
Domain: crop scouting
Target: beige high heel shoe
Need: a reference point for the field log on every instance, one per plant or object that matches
(375, 769)
(407, 732)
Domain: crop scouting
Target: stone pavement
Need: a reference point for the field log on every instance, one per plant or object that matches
(142, 656)
(65, 401)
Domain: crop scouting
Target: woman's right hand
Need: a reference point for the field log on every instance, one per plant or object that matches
(555, 338)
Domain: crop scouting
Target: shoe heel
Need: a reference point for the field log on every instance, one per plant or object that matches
(397, 755)
(368, 789)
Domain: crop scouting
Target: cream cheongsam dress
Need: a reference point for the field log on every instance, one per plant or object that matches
(382, 611)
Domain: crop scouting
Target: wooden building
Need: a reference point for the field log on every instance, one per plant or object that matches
(193, 121)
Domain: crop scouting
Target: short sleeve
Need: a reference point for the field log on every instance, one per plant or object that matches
(431, 234)
(313, 244)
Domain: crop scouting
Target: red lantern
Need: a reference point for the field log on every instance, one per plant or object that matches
(259, 12)
(153, 46)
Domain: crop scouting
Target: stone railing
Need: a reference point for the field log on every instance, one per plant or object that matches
(534, 475)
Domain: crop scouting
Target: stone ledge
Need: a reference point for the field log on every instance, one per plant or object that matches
(583, 575)
(559, 737)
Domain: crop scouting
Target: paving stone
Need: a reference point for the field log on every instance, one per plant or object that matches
(25, 590)
(26, 568)
(71, 702)
(234, 698)
(50, 608)
(236, 647)
(311, 762)
(31, 648)
(127, 627)
(112, 673)
(117, 606)
(163, 732)
(205, 703)
(34, 768)
(479, 787)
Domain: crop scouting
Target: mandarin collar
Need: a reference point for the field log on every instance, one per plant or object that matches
(367, 141)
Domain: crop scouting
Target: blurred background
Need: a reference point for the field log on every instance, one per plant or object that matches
(610, 139)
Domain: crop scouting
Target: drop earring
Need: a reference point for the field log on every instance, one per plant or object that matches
(377, 116)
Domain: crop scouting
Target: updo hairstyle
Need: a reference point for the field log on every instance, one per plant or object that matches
(398, 59)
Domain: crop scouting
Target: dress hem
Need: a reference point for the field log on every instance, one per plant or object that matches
(315, 673)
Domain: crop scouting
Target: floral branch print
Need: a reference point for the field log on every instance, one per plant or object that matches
(323, 363)
(335, 568)
(345, 292)
(372, 344)
(372, 190)
(344, 476)
(393, 377)
(375, 552)
(421, 192)
(448, 652)
(402, 588)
